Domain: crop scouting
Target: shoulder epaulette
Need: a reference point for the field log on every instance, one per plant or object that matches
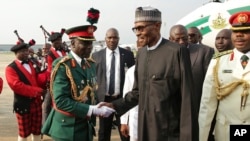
(219, 54)
(91, 60)
(61, 60)
(64, 59)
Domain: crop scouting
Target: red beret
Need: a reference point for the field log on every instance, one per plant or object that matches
(85, 32)
(240, 21)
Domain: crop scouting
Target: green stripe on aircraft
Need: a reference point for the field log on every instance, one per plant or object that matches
(206, 29)
(198, 22)
(245, 8)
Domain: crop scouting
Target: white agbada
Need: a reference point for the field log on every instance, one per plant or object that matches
(132, 114)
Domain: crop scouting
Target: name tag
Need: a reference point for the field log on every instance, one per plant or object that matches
(227, 71)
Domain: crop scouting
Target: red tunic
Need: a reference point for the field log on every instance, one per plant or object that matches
(52, 55)
(30, 122)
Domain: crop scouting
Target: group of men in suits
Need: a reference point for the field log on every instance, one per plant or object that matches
(200, 55)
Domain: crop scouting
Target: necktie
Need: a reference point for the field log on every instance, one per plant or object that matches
(112, 75)
(244, 61)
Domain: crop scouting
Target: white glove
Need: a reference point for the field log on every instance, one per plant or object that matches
(103, 111)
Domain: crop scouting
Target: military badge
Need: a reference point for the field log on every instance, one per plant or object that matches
(73, 63)
(242, 18)
(219, 22)
(91, 29)
(227, 71)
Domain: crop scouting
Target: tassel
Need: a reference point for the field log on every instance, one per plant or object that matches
(93, 16)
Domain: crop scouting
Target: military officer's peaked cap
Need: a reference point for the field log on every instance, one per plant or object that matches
(84, 32)
(240, 21)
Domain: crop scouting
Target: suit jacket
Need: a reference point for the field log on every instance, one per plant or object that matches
(68, 117)
(100, 59)
(228, 111)
(163, 86)
(200, 56)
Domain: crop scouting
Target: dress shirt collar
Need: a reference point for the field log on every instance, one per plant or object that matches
(77, 58)
(156, 45)
(238, 54)
(109, 51)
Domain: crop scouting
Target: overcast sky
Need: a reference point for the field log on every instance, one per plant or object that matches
(26, 16)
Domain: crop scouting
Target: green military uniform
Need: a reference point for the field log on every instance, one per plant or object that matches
(72, 92)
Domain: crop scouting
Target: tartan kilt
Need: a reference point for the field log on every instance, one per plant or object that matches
(30, 123)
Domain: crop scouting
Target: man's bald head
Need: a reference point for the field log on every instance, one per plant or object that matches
(178, 34)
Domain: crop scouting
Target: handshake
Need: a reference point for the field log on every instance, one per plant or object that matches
(99, 110)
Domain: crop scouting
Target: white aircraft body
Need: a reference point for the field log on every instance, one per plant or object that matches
(213, 16)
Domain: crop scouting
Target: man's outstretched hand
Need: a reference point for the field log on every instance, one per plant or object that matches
(101, 109)
(110, 105)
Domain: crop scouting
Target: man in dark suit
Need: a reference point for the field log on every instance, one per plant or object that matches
(200, 57)
(194, 35)
(106, 90)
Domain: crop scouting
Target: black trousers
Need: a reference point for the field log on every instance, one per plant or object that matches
(46, 106)
(105, 125)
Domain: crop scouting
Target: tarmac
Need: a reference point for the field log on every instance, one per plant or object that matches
(8, 123)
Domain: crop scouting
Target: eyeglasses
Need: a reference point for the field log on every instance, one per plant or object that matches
(191, 34)
(140, 28)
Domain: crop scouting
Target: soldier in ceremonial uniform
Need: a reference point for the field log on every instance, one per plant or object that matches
(72, 86)
(226, 85)
(23, 80)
